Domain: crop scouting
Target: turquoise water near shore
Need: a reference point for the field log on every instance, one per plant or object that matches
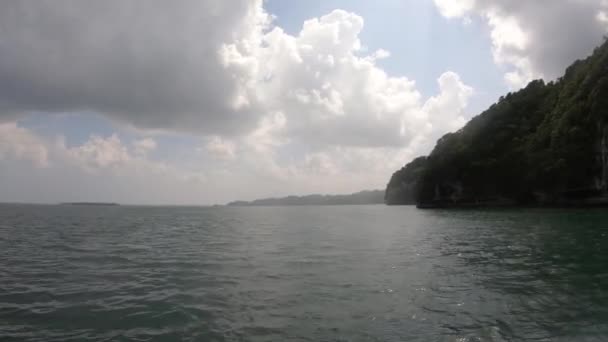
(347, 273)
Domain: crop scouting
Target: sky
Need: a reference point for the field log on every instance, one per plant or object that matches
(207, 101)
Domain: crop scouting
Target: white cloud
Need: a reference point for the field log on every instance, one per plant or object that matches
(454, 8)
(221, 148)
(535, 39)
(327, 92)
(102, 168)
(19, 143)
(446, 110)
(214, 68)
(380, 54)
(143, 146)
(109, 155)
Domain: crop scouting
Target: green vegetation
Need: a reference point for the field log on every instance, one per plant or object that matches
(546, 144)
(363, 197)
(91, 204)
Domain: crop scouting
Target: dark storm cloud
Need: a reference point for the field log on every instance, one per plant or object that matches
(152, 63)
(559, 32)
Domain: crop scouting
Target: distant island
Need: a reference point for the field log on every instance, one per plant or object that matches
(545, 145)
(91, 203)
(363, 197)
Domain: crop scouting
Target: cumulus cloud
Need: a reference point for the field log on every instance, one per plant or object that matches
(327, 90)
(212, 67)
(535, 39)
(111, 156)
(101, 152)
(445, 111)
(276, 113)
(300, 166)
(454, 8)
(21, 144)
(144, 146)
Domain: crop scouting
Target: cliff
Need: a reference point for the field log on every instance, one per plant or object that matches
(546, 144)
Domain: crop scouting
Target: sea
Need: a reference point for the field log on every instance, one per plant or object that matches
(333, 273)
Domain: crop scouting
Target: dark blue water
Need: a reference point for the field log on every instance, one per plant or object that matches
(354, 273)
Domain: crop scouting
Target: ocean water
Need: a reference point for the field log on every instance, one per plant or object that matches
(352, 273)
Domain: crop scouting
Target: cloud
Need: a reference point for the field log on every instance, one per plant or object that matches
(143, 146)
(20, 144)
(109, 155)
(327, 90)
(328, 101)
(154, 64)
(445, 111)
(278, 165)
(535, 39)
(454, 8)
(276, 113)
(221, 148)
(39, 169)
(101, 152)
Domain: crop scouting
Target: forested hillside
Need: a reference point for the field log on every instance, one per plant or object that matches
(545, 144)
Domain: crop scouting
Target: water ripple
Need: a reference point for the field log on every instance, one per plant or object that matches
(369, 273)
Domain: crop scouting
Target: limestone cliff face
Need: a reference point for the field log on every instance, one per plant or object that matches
(546, 144)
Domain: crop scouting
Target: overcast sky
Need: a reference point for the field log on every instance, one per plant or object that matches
(208, 101)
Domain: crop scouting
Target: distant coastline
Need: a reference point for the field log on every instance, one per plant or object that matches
(358, 198)
(105, 204)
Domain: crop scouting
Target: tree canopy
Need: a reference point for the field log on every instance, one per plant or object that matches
(544, 144)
